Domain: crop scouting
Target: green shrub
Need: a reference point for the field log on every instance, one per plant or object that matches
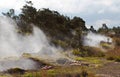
(110, 58)
(105, 45)
(76, 52)
(117, 59)
(15, 70)
(117, 41)
(28, 75)
(61, 43)
(84, 73)
(92, 52)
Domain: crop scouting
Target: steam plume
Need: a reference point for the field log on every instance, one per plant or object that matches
(13, 44)
(93, 39)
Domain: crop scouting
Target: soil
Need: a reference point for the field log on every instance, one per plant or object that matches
(111, 69)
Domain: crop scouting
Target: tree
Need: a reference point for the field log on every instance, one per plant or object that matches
(29, 13)
(104, 26)
(116, 30)
(78, 22)
(92, 29)
(104, 29)
(10, 13)
(76, 41)
(55, 25)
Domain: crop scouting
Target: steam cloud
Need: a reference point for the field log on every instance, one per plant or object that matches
(22, 63)
(93, 39)
(13, 44)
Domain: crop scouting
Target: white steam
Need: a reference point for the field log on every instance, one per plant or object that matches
(22, 63)
(94, 40)
(13, 44)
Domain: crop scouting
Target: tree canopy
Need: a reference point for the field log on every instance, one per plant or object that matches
(55, 25)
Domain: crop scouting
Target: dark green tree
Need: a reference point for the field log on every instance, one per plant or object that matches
(55, 25)
(116, 30)
(78, 22)
(92, 29)
(104, 29)
(29, 13)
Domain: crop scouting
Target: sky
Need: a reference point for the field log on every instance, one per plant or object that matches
(94, 12)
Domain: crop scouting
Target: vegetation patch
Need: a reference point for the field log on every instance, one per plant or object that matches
(73, 71)
(93, 60)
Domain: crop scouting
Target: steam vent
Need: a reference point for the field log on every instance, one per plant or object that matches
(59, 38)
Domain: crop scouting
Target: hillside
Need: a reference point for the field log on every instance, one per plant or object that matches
(50, 44)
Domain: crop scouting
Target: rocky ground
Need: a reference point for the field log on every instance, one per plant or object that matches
(111, 69)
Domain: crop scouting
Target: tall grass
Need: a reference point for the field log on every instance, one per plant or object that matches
(66, 71)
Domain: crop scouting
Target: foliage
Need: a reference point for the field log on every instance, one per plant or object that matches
(104, 29)
(92, 29)
(55, 25)
(92, 51)
(93, 60)
(62, 30)
(115, 58)
(75, 71)
(114, 54)
(76, 52)
(87, 51)
(106, 45)
(116, 30)
(110, 58)
(63, 44)
(117, 41)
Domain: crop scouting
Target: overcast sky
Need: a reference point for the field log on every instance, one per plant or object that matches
(94, 12)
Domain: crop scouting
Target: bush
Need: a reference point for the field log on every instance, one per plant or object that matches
(92, 52)
(61, 43)
(76, 52)
(114, 54)
(106, 45)
(15, 70)
(117, 41)
(110, 58)
(84, 73)
(28, 75)
(114, 58)
(117, 59)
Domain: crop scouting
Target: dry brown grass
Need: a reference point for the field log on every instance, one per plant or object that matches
(114, 54)
(66, 71)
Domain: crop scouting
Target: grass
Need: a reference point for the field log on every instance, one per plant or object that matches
(114, 54)
(106, 45)
(94, 60)
(67, 71)
(5, 75)
(117, 40)
(59, 71)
